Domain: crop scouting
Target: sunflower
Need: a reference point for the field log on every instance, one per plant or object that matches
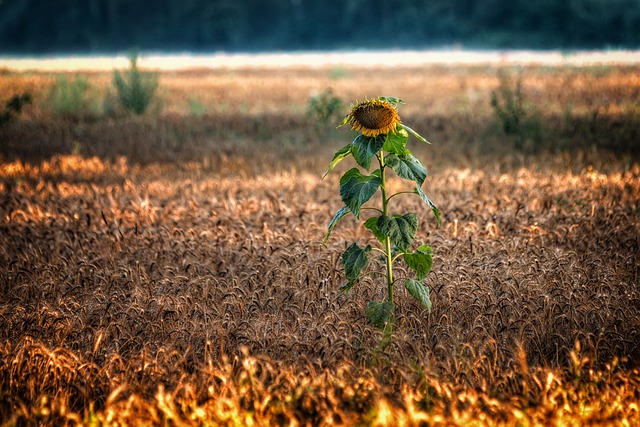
(373, 117)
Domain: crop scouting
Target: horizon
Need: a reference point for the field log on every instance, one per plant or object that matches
(310, 58)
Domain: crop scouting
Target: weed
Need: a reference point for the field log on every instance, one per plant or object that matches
(14, 107)
(73, 99)
(196, 108)
(513, 112)
(339, 73)
(325, 108)
(136, 89)
(508, 104)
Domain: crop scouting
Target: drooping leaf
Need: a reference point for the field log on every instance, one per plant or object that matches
(407, 166)
(427, 200)
(420, 261)
(356, 189)
(365, 147)
(420, 292)
(354, 260)
(342, 212)
(414, 133)
(396, 142)
(379, 313)
(400, 229)
(340, 155)
(372, 224)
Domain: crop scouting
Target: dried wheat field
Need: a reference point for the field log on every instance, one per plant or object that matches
(169, 269)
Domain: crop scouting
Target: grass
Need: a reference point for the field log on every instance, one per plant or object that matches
(174, 274)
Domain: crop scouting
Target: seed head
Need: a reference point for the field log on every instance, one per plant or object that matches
(373, 117)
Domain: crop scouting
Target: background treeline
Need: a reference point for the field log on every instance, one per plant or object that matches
(45, 26)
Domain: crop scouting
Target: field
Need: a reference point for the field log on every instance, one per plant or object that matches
(168, 269)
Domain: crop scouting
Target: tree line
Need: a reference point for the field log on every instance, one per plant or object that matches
(45, 26)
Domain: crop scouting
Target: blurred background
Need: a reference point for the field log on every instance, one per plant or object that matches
(107, 26)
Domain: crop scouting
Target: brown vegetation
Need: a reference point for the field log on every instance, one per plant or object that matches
(173, 270)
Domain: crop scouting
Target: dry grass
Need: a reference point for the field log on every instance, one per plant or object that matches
(186, 284)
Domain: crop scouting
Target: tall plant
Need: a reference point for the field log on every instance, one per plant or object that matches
(136, 89)
(382, 136)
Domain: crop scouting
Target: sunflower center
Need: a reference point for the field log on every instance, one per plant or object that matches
(374, 116)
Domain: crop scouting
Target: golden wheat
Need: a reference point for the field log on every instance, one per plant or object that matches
(137, 289)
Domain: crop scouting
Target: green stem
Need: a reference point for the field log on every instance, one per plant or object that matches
(379, 250)
(401, 192)
(370, 208)
(387, 240)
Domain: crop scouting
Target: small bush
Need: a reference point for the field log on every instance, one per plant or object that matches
(508, 104)
(73, 99)
(196, 107)
(14, 107)
(325, 108)
(136, 89)
(514, 114)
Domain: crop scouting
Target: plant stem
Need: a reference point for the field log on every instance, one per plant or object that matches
(387, 240)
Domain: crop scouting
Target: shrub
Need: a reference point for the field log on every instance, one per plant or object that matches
(136, 89)
(14, 106)
(325, 108)
(513, 112)
(73, 99)
(508, 104)
(196, 107)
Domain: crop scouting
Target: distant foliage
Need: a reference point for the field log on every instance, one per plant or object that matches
(73, 98)
(199, 25)
(196, 107)
(325, 108)
(516, 117)
(508, 103)
(14, 107)
(136, 89)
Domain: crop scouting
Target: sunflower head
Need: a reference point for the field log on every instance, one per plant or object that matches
(373, 117)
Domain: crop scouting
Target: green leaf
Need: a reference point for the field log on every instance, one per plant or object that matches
(414, 133)
(379, 313)
(400, 229)
(396, 142)
(365, 147)
(407, 166)
(354, 260)
(420, 292)
(341, 154)
(347, 286)
(420, 261)
(391, 99)
(342, 212)
(427, 200)
(345, 120)
(372, 225)
(356, 189)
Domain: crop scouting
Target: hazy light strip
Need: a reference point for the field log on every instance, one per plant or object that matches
(323, 59)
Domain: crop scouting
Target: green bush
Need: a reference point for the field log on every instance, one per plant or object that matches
(14, 107)
(325, 108)
(508, 104)
(136, 89)
(196, 107)
(73, 98)
(515, 115)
